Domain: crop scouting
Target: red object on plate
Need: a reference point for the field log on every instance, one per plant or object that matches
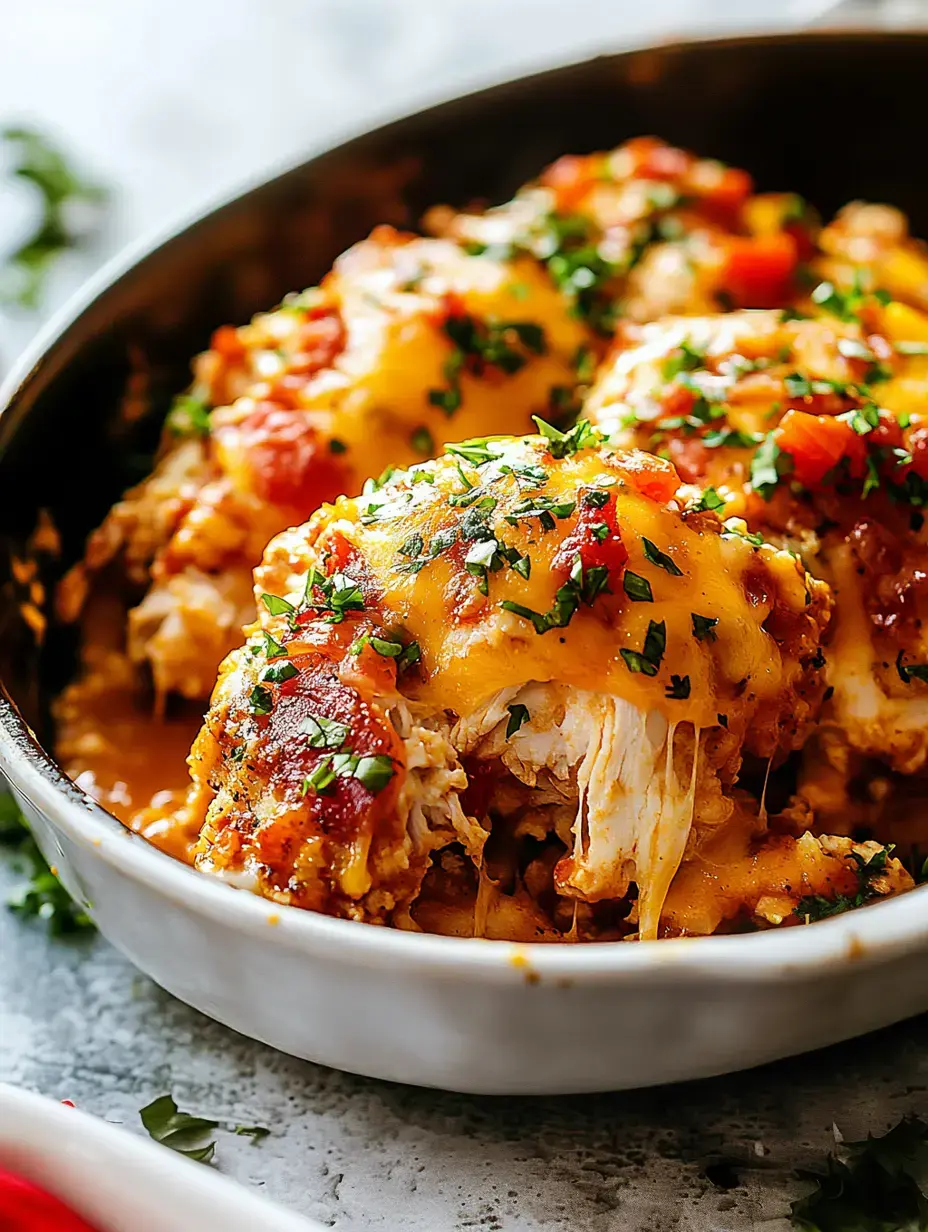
(25, 1207)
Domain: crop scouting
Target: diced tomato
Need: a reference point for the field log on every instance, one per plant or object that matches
(596, 549)
(571, 178)
(289, 462)
(226, 342)
(349, 808)
(817, 443)
(758, 271)
(450, 305)
(887, 434)
(25, 1207)
(677, 400)
(653, 160)
(320, 340)
(690, 457)
(724, 198)
(651, 476)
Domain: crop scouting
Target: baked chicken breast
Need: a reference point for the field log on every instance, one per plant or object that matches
(812, 428)
(525, 671)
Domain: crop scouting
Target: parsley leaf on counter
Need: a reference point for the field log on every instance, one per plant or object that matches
(876, 1190)
(178, 1130)
(59, 228)
(42, 895)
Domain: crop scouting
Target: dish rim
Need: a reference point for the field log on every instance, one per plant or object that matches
(877, 933)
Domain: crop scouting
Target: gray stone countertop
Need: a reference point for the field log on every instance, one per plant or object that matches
(171, 102)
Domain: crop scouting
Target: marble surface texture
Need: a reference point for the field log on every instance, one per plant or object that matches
(172, 102)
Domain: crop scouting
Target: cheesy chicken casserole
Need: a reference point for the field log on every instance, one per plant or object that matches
(564, 571)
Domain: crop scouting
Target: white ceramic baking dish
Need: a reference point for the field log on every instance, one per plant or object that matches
(466, 1015)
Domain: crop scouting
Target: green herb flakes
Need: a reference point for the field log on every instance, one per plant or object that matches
(637, 588)
(704, 627)
(323, 733)
(260, 700)
(653, 554)
(188, 416)
(648, 660)
(564, 444)
(518, 714)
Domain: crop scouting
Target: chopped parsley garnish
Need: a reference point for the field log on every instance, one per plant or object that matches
(569, 248)
(731, 438)
(321, 779)
(846, 304)
(337, 446)
(543, 508)
(271, 647)
(188, 416)
(42, 896)
(704, 627)
(911, 671)
(754, 538)
(478, 345)
(383, 646)
(595, 498)
(411, 546)
(278, 606)
(324, 733)
(518, 714)
(766, 466)
(178, 1130)
(340, 594)
(818, 907)
(476, 451)
(659, 558)
(708, 502)
(582, 586)
(423, 442)
(679, 688)
(637, 588)
(686, 358)
(411, 655)
(277, 673)
(373, 772)
(722, 720)
(648, 659)
(260, 700)
(563, 444)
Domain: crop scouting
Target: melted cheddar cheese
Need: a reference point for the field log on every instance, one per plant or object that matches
(542, 607)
